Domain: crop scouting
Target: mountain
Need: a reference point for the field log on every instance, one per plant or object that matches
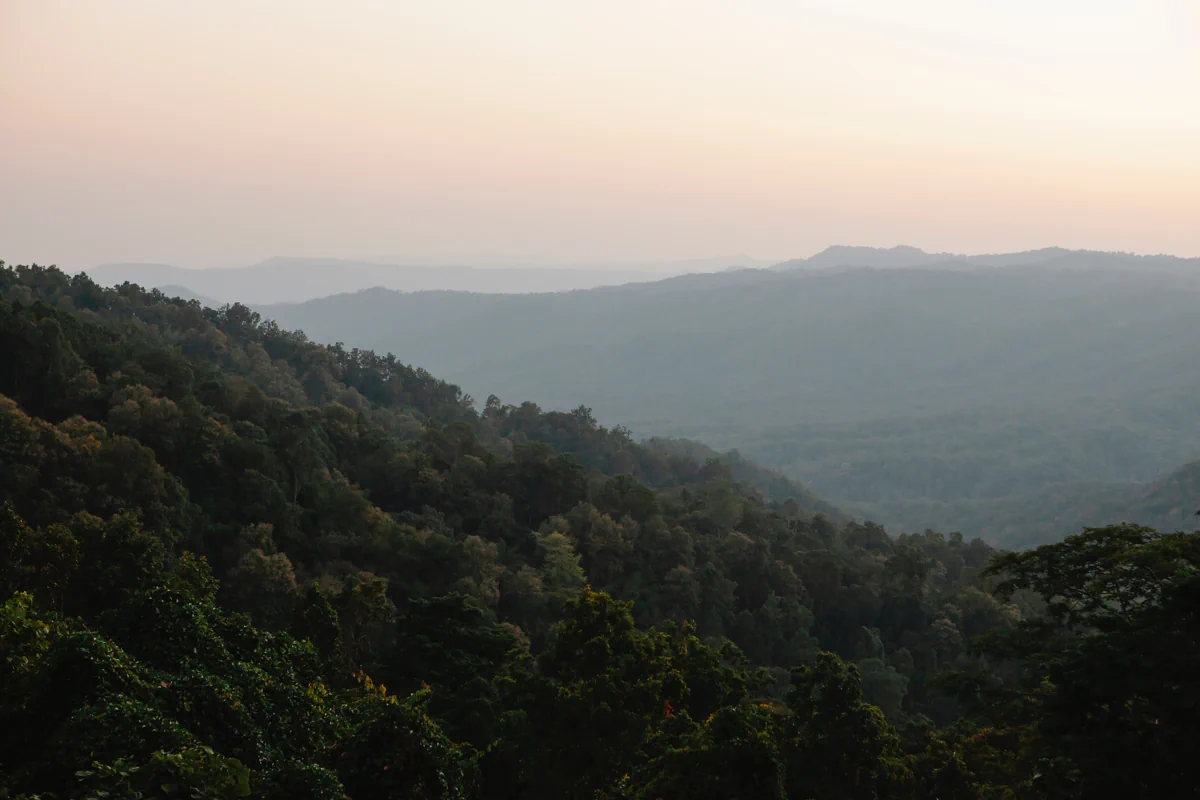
(848, 256)
(792, 347)
(296, 280)
(1051, 257)
(918, 397)
(237, 563)
(494, 261)
(187, 294)
(291, 280)
(1166, 503)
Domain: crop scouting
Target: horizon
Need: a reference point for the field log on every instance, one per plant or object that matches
(648, 266)
(222, 134)
(482, 262)
(286, 279)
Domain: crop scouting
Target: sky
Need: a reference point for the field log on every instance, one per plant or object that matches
(225, 132)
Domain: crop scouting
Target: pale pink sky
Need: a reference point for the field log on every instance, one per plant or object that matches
(228, 131)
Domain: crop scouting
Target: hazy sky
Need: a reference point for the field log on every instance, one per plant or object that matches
(226, 131)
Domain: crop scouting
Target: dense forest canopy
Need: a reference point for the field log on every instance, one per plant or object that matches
(1011, 403)
(237, 563)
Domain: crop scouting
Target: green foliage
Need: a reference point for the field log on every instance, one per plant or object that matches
(1109, 683)
(734, 753)
(836, 744)
(197, 773)
(216, 535)
(397, 751)
(1015, 404)
(27, 636)
(454, 645)
(279, 462)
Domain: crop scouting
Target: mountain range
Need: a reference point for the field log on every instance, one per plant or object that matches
(1054, 257)
(969, 399)
(293, 280)
(1014, 395)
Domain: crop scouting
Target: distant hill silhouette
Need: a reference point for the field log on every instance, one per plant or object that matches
(1056, 257)
(294, 280)
(961, 397)
(188, 294)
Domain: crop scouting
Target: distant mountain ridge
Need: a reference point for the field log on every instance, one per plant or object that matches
(1057, 257)
(680, 334)
(1166, 503)
(296, 280)
(285, 279)
(660, 266)
(974, 398)
(187, 294)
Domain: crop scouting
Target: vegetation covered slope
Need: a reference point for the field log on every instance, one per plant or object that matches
(915, 397)
(347, 500)
(219, 542)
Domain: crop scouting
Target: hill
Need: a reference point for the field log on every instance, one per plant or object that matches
(879, 257)
(214, 530)
(293, 280)
(236, 563)
(188, 294)
(914, 396)
(1056, 257)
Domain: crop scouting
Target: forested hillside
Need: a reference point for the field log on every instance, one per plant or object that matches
(959, 399)
(235, 563)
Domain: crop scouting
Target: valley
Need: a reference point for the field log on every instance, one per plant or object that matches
(1014, 403)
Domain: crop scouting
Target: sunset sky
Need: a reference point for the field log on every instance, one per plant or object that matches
(223, 132)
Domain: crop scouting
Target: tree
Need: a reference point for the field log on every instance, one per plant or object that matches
(836, 745)
(600, 688)
(398, 752)
(263, 586)
(1111, 671)
(732, 755)
(453, 645)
